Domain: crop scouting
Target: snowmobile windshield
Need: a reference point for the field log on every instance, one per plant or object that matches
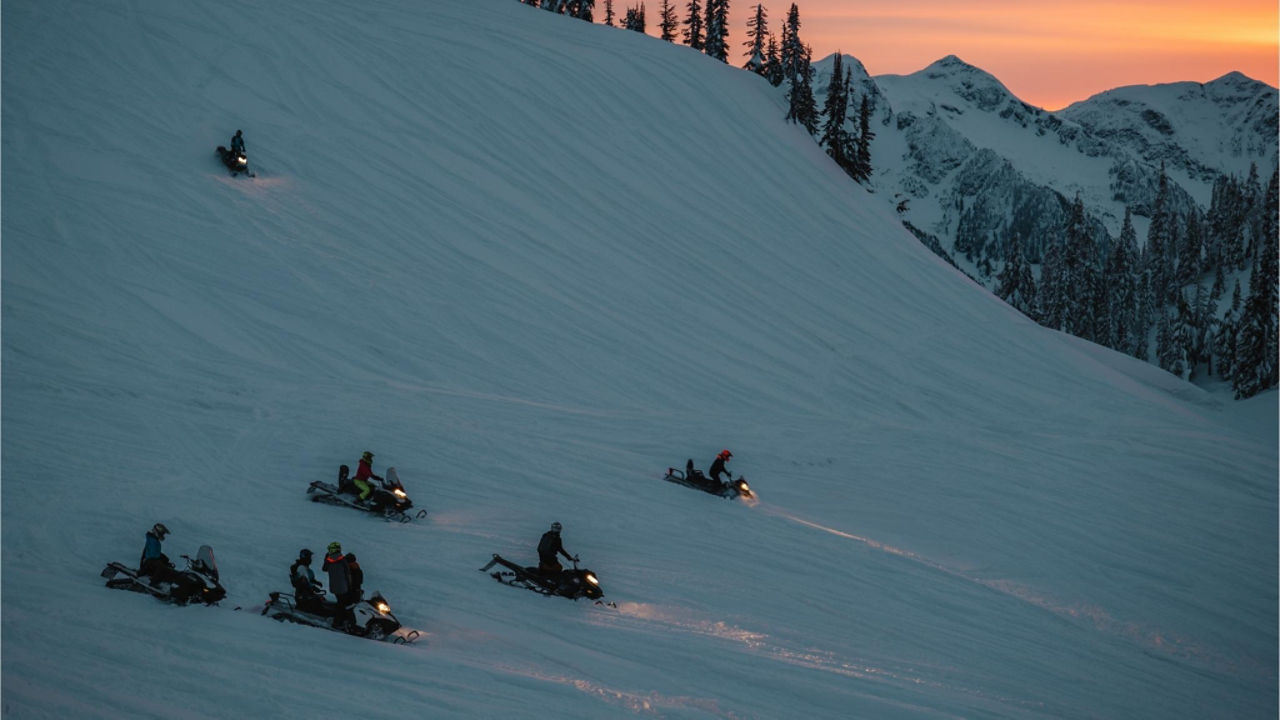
(204, 561)
(392, 479)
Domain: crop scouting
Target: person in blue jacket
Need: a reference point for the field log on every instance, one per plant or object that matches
(237, 143)
(154, 562)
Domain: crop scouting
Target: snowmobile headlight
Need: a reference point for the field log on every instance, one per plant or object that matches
(591, 578)
(400, 493)
(744, 486)
(242, 160)
(383, 607)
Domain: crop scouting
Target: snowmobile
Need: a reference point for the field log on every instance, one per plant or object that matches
(573, 584)
(197, 583)
(373, 617)
(236, 162)
(387, 499)
(692, 477)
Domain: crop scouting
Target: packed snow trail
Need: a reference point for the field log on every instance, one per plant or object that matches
(1153, 639)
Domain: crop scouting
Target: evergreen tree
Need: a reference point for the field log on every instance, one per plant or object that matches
(1219, 283)
(1190, 261)
(1171, 341)
(1015, 283)
(1050, 300)
(716, 44)
(1142, 331)
(1256, 367)
(798, 71)
(1200, 324)
(757, 40)
(608, 12)
(1227, 213)
(634, 19)
(1224, 342)
(669, 24)
(1254, 223)
(802, 108)
(862, 150)
(773, 63)
(1121, 287)
(581, 9)
(693, 25)
(1159, 239)
(835, 136)
(1079, 280)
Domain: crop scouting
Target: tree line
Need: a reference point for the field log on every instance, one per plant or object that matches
(1199, 298)
(781, 58)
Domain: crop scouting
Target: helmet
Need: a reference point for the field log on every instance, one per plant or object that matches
(237, 133)
(556, 527)
(725, 455)
(304, 554)
(159, 530)
(366, 455)
(335, 547)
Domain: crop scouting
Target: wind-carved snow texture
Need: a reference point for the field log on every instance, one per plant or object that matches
(532, 263)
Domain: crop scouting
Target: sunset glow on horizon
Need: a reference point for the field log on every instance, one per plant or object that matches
(1050, 53)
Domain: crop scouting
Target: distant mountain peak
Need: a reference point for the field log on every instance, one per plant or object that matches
(972, 83)
(1235, 77)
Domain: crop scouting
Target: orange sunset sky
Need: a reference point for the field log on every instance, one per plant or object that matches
(1050, 53)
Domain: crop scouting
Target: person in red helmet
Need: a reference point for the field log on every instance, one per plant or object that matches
(717, 468)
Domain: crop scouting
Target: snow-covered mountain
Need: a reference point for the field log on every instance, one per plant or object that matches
(970, 163)
(1200, 130)
(531, 262)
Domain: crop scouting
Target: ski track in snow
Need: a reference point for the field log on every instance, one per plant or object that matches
(759, 644)
(1155, 640)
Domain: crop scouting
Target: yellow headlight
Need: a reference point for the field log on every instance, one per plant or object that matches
(384, 608)
(591, 578)
(400, 493)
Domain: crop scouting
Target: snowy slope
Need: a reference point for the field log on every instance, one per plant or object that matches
(530, 262)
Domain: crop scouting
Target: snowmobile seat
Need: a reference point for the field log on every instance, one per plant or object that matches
(344, 481)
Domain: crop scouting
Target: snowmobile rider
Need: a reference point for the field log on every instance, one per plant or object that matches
(717, 467)
(336, 565)
(548, 548)
(154, 562)
(357, 577)
(308, 591)
(363, 473)
(237, 144)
